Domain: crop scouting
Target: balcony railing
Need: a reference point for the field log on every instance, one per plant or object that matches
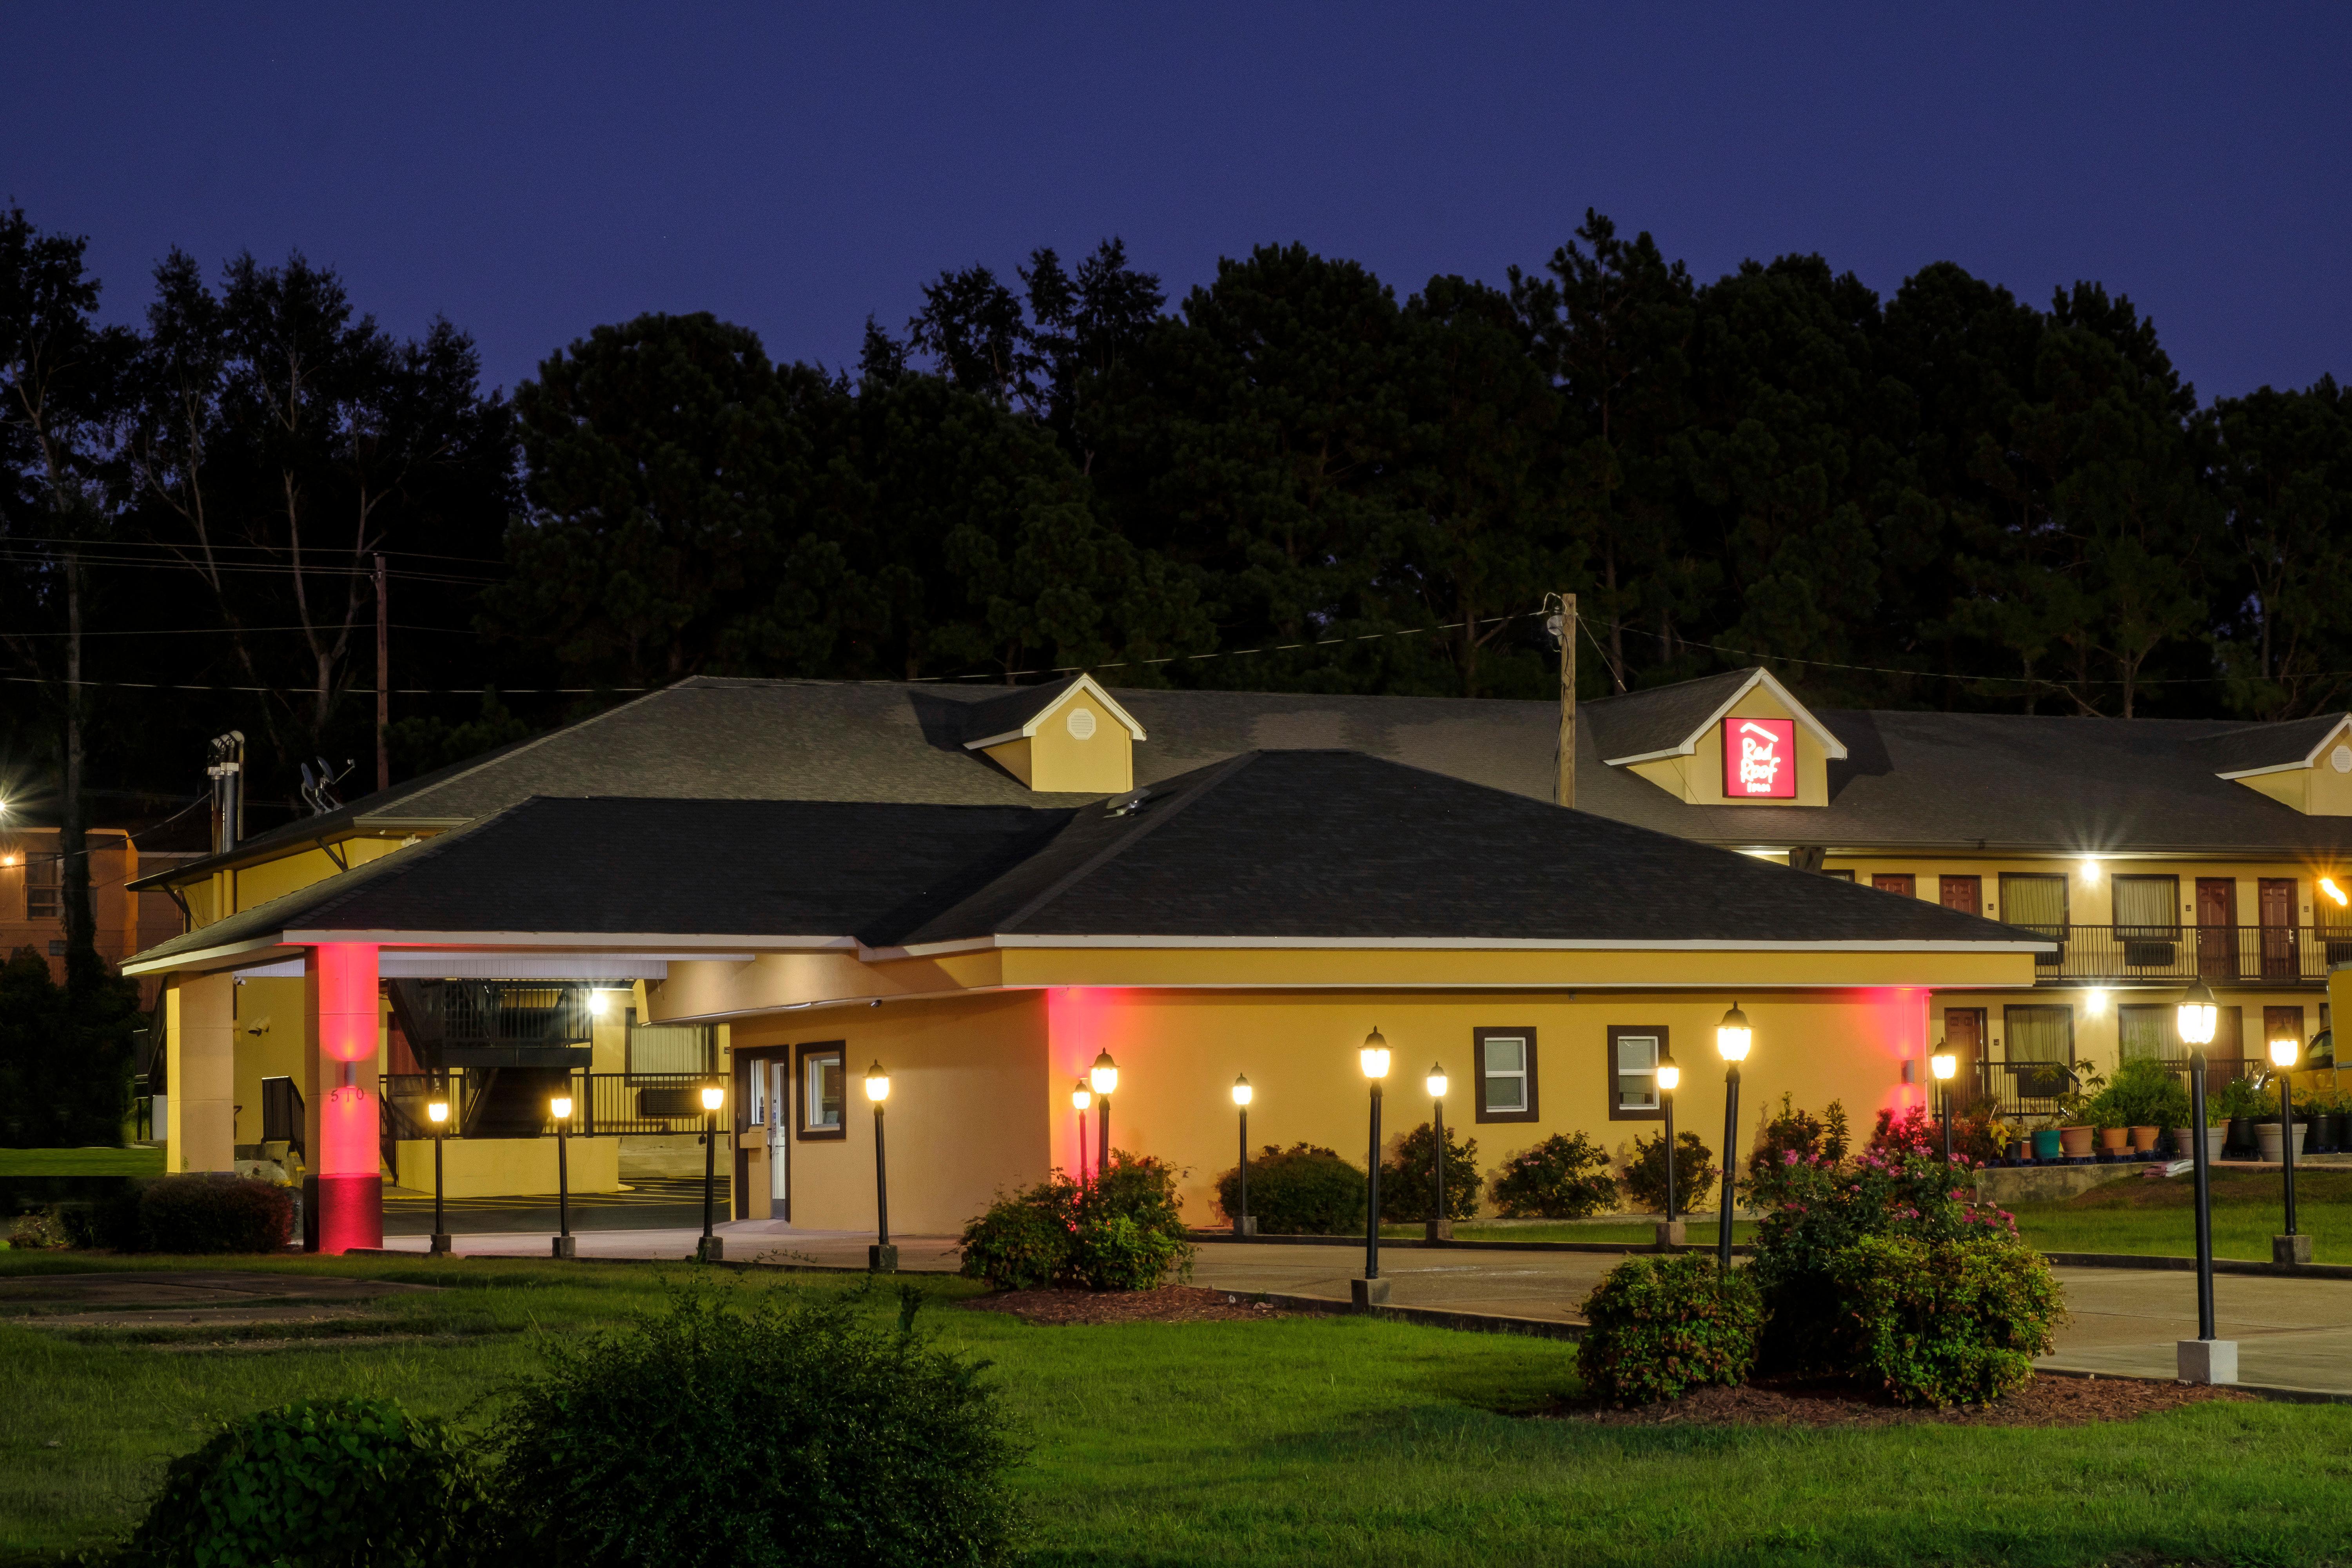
(2019, 1089)
(603, 1104)
(2235, 955)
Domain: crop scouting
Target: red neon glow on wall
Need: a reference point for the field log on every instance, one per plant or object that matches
(1759, 758)
(343, 999)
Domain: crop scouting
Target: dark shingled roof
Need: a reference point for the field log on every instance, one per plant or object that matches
(1288, 845)
(1001, 715)
(2266, 745)
(1638, 723)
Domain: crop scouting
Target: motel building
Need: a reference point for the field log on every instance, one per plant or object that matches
(772, 884)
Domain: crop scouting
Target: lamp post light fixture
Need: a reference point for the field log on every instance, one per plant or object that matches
(437, 1111)
(711, 1248)
(559, 1108)
(1441, 1228)
(881, 1257)
(1371, 1290)
(1944, 1064)
(2292, 1248)
(1732, 1038)
(1670, 1077)
(2203, 1359)
(1104, 1078)
(1080, 1098)
(1242, 1094)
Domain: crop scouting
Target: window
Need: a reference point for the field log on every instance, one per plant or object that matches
(2041, 1042)
(1847, 876)
(672, 1048)
(41, 899)
(2146, 906)
(1900, 883)
(1965, 894)
(2147, 1030)
(2035, 900)
(821, 1084)
(1505, 1062)
(1634, 1052)
(755, 1097)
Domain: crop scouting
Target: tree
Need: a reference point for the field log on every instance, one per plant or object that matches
(2283, 464)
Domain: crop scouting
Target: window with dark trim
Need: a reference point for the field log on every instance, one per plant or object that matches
(1504, 1068)
(1634, 1052)
(1844, 875)
(823, 1090)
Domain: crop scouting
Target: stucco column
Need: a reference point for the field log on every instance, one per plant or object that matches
(345, 1197)
(200, 1072)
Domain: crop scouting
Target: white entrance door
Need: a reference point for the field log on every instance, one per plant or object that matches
(779, 1085)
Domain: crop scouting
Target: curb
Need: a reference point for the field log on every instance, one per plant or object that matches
(2274, 1393)
(1739, 1248)
(2173, 1263)
(1425, 1317)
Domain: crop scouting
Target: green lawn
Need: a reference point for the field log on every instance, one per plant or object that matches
(1303, 1441)
(94, 1162)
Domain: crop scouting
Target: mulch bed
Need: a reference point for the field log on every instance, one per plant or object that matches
(2047, 1401)
(1168, 1304)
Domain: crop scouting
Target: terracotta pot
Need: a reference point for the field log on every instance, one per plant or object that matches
(2113, 1139)
(2143, 1139)
(2075, 1140)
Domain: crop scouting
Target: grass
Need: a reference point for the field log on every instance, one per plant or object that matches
(91, 1161)
(2136, 1215)
(1303, 1441)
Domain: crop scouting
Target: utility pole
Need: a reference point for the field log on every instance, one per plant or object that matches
(1566, 792)
(382, 679)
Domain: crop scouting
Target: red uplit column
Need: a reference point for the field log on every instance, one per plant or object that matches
(346, 1195)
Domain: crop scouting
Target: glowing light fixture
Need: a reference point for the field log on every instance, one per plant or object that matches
(1670, 1077)
(1242, 1092)
(713, 1096)
(1944, 1064)
(877, 1084)
(561, 1108)
(1104, 1075)
(2327, 885)
(1436, 1081)
(1375, 1056)
(2094, 1003)
(2090, 869)
(2283, 1052)
(1081, 1097)
(2197, 1015)
(599, 1003)
(437, 1111)
(1733, 1036)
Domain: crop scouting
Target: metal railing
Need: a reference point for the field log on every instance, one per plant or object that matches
(2019, 1089)
(603, 1104)
(495, 1023)
(2236, 956)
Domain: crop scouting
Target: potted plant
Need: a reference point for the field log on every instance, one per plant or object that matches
(2048, 1144)
(2076, 1122)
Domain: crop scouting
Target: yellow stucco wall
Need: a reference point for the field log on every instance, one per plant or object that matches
(2091, 896)
(201, 1072)
(1058, 759)
(498, 1167)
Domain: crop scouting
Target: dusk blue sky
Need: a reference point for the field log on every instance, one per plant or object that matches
(532, 171)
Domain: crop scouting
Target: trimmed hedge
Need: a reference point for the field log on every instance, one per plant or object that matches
(1661, 1327)
(1645, 1175)
(215, 1213)
(1125, 1232)
(1566, 1177)
(1303, 1190)
(1405, 1193)
(1947, 1320)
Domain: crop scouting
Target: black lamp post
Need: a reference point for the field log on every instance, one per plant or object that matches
(1243, 1224)
(881, 1257)
(2204, 1359)
(2293, 1247)
(1104, 1078)
(1080, 1098)
(1371, 1290)
(1944, 1064)
(1440, 1227)
(712, 1248)
(1732, 1038)
(559, 1108)
(1670, 1077)
(437, 1111)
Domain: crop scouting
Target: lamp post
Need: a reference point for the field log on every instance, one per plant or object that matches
(1371, 1290)
(1080, 1098)
(1732, 1038)
(559, 1108)
(1243, 1224)
(437, 1111)
(1104, 1076)
(1670, 1077)
(1944, 1064)
(713, 1249)
(2292, 1248)
(1440, 1227)
(2203, 1359)
(881, 1257)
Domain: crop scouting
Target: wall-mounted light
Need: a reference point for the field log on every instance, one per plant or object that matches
(2090, 869)
(2094, 1003)
(2326, 885)
(599, 1003)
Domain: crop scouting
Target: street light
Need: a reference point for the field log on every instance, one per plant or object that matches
(1242, 1094)
(2289, 1248)
(1104, 1076)
(1732, 1038)
(1944, 1064)
(881, 1257)
(1080, 1098)
(1371, 1289)
(2203, 1359)
(713, 1249)
(1670, 1077)
(1440, 1227)
(559, 1108)
(437, 1111)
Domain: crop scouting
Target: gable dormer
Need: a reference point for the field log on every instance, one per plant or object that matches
(2305, 764)
(1737, 739)
(1067, 738)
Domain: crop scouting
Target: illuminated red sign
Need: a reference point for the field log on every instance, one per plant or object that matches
(1759, 758)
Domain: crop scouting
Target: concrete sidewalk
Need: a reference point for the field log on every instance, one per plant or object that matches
(2293, 1334)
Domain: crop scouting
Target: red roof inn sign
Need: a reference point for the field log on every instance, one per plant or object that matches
(1759, 758)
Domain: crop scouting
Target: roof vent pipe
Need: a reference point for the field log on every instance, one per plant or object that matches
(227, 770)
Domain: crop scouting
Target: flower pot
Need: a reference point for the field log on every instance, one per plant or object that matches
(2216, 1139)
(2075, 1140)
(2047, 1144)
(2143, 1139)
(2326, 1133)
(2241, 1134)
(2269, 1138)
(2113, 1139)
(2184, 1142)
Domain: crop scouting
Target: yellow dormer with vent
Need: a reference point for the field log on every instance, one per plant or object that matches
(2318, 785)
(1078, 743)
(1761, 747)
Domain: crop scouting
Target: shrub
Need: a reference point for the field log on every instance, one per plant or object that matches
(2238, 1097)
(2143, 1093)
(352, 1481)
(215, 1213)
(1951, 1321)
(1645, 1173)
(39, 1230)
(1125, 1232)
(1913, 1132)
(1022, 1242)
(1405, 1193)
(1809, 1137)
(1300, 1191)
(1566, 1177)
(790, 1431)
(1660, 1326)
